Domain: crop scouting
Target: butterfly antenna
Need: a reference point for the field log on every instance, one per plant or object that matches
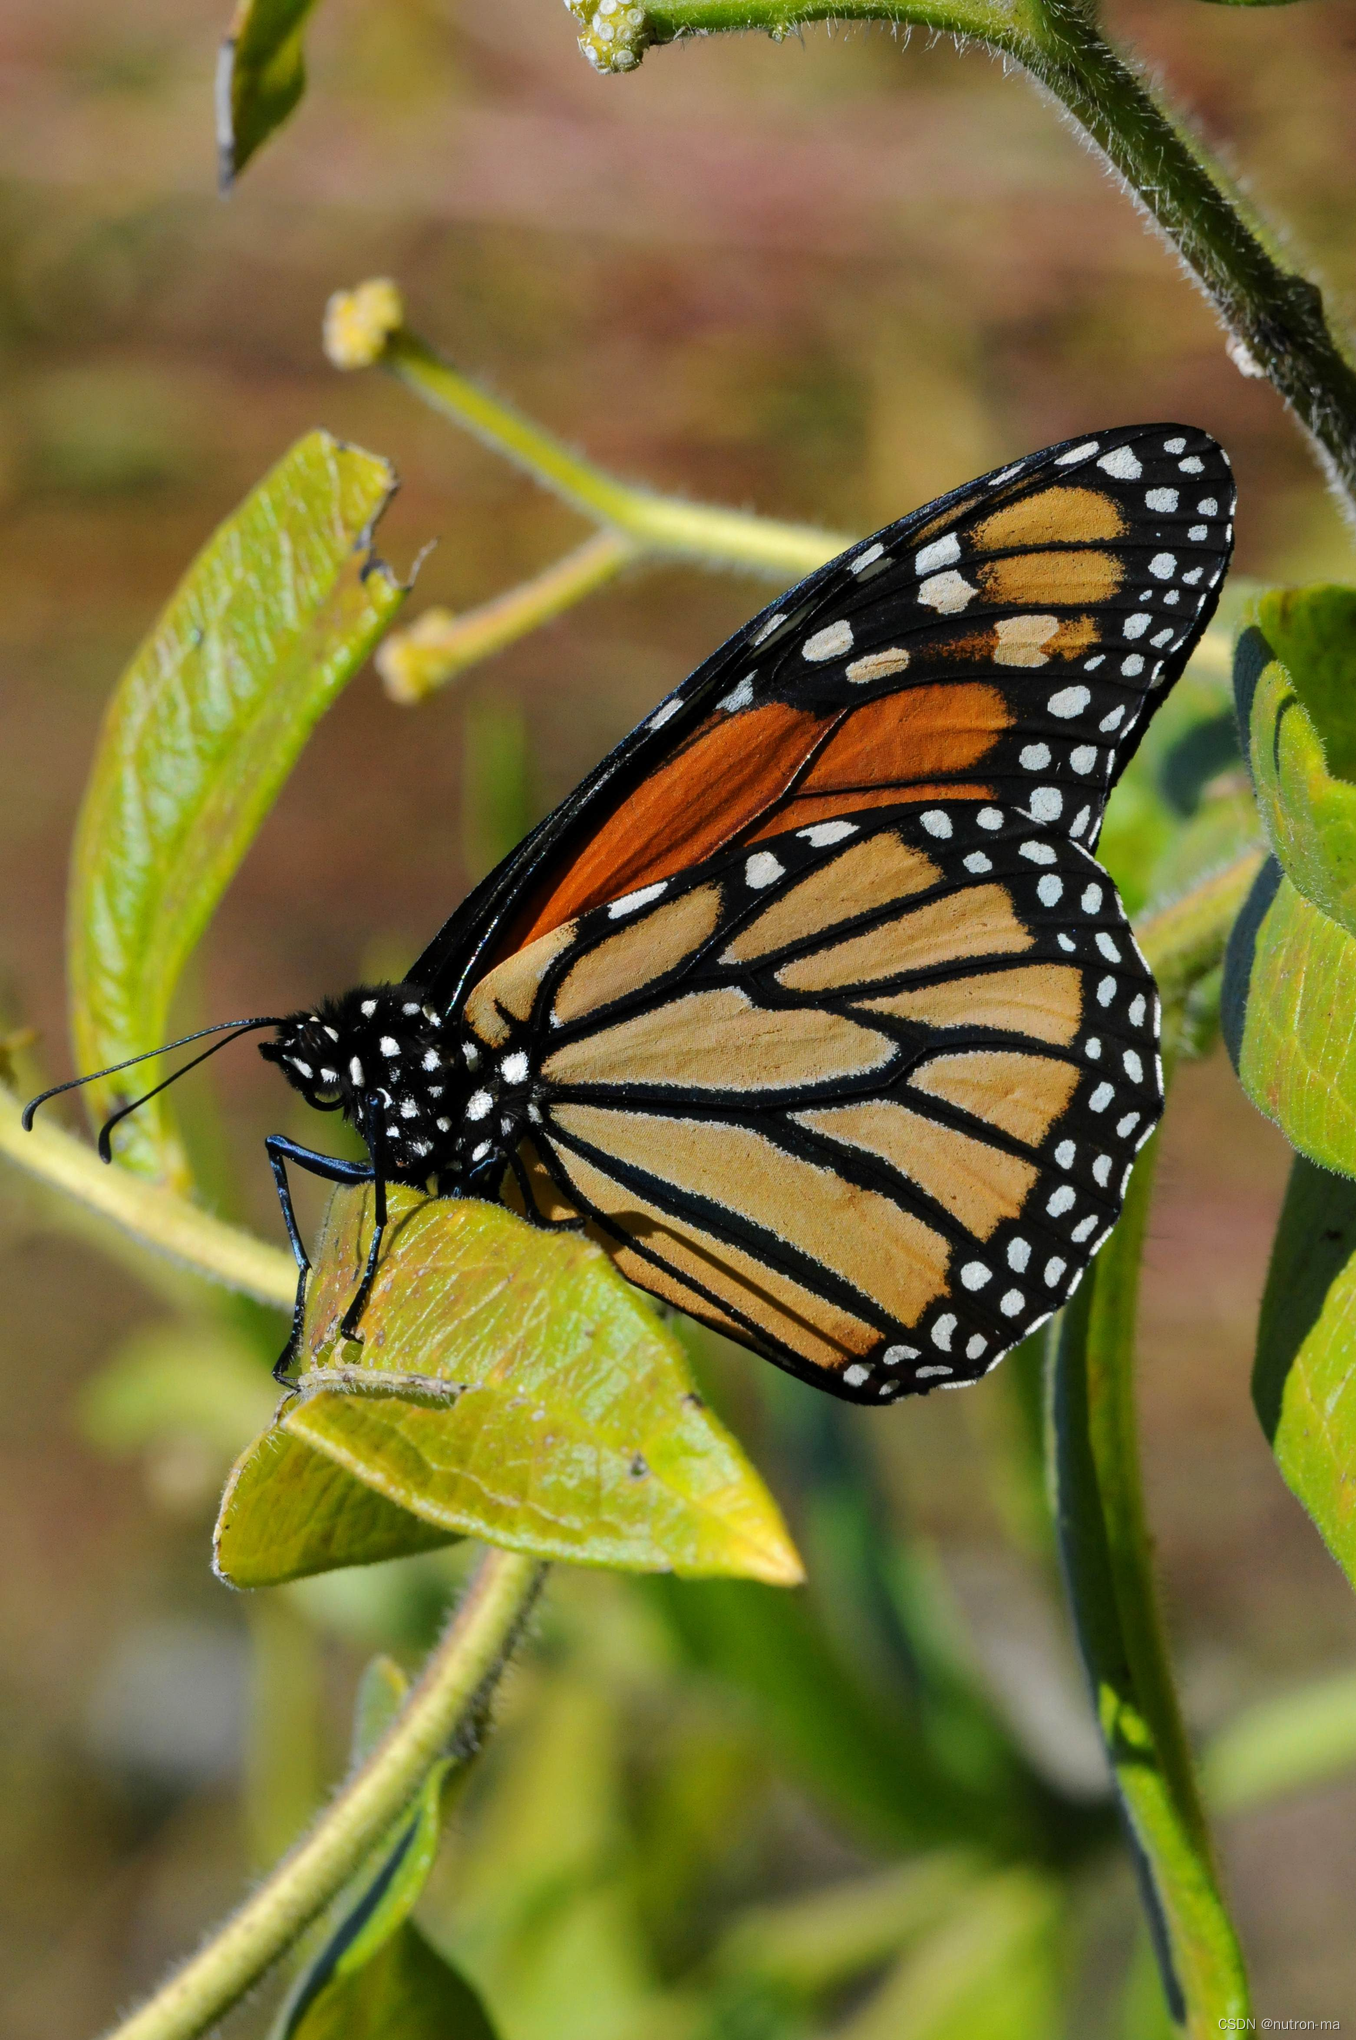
(73, 1083)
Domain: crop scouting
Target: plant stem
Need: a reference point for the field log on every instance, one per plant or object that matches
(440, 645)
(657, 524)
(153, 1216)
(453, 1684)
(1106, 1550)
(1275, 317)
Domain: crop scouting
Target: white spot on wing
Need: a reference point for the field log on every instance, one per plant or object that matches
(877, 665)
(1121, 463)
(630, 903)
(762, 869)
(867, 558)
(936, 822)
(738, 697)
(1089, 446)
(941, 553)
(1069, 701)
(821, 834)
(664, 714)
(946, 593)
(829, 643)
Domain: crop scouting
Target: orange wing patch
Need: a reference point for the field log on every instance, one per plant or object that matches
(886, 1253)
(731, 769)
(980, 922)
(980, 1186)
(513, 985)
(1021, 1094)
(636, 956)
(1051, 517)
(1063, 577)
(1040, 999)
(821, 1332)
(720, 1041)
(868, 875)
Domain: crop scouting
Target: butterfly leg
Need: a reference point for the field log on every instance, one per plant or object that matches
(530, 1211)
(280, 1151)
(377, 1175)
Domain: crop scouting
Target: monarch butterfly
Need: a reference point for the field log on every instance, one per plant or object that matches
(810, 1003)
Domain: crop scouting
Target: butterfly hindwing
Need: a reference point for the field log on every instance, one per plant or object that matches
(1003, 644)
(863, 1095)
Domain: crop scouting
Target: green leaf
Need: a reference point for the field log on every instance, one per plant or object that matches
(406, 1990)
(513, 1388)
(807, 1946)
(1286, 1017)
(275, 615)
(1289, 1744)
(370, 1972)
(866, 1759)
(1108, 1568)
(1295, 679)
(261, 75)
(289, 1511)
(992, 1971)
(1304, 1375)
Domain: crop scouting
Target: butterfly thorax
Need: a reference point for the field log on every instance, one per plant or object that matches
(412, 1084)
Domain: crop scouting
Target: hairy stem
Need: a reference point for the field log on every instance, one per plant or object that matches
(453, 1686)
(151, 1215)
(657, 524)
(440, 645)
(1275, 316)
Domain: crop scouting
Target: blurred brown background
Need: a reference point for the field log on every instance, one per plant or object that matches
(824, 281)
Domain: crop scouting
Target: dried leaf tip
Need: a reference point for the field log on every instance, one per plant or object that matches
(358, 323)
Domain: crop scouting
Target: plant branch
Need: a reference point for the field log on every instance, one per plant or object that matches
(1275, 317)
(662, 525)
(413, 662)
(149, 1214)
(453, 1686)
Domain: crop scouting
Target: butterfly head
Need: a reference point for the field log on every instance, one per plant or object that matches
(378, 1050)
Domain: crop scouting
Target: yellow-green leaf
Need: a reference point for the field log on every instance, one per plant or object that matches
(289, 1511)
(406, 1990)
(1286, 1012)
(261, 75)
(275, 615)
(1304, 1376)
(513, 1387)
(1296, 688)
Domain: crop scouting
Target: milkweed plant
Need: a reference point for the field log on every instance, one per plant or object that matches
(516, 1399)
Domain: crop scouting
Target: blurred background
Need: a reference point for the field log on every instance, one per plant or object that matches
(825, 280)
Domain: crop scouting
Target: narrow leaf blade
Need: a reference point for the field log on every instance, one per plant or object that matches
(1104, 1547)
(275, 615)
(261, 76)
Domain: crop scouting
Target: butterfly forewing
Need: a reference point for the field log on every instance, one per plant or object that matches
(863, 1096)
(1003, 644)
